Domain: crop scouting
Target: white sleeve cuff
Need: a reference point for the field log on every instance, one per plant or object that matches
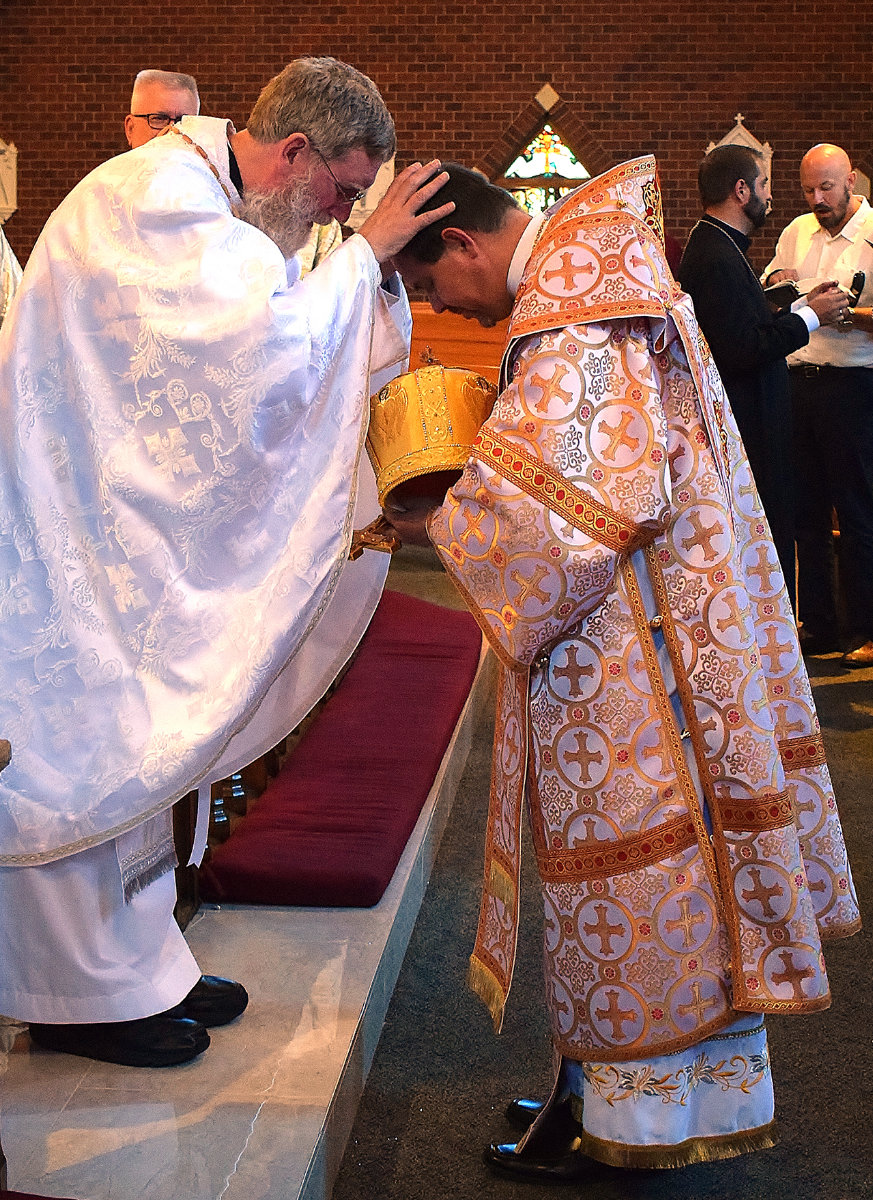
(809, 318)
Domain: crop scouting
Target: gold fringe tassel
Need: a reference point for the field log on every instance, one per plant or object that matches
(161, 866)
(684, 1154)
(481, 981)
(501, 884)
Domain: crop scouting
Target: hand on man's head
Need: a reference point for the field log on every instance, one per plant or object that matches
(397, 219)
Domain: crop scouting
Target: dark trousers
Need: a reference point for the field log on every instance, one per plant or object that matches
(833, 458)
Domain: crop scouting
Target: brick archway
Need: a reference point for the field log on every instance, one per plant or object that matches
(528, 123)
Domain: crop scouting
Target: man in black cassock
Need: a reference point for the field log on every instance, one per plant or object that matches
(748, 339)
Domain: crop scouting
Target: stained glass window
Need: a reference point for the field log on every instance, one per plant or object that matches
(545, 170)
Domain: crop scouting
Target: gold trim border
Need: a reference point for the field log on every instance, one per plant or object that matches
(639, 1049)
(716, 877)
(544, 484)
(585, 862)
(755, 816)
(683, 1154)
(800, 752)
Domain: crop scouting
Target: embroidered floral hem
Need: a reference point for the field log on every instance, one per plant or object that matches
(713, 1100)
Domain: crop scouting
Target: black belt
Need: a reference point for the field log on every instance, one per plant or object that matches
(810, 369)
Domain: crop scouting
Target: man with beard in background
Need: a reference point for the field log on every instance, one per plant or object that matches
(184, 425)
(832, 389)
(749, 341)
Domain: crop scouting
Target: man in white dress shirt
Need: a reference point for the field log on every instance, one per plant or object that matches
(832, 386)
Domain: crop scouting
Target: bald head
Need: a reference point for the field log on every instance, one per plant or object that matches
(828, 183)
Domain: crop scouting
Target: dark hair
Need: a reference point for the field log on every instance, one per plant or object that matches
(721, 170)
(479, 206)
(337, 107)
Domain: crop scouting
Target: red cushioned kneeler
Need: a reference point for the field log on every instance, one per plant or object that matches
(331, 827)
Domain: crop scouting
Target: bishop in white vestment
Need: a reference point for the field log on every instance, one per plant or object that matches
(183, 425)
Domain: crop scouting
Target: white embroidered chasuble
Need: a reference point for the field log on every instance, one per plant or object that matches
(179, 472)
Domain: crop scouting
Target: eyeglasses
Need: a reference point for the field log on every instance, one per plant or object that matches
(159, 120)
(350, 196)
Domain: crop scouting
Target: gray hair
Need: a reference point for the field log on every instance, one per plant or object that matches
(172, 80)
(337, 107)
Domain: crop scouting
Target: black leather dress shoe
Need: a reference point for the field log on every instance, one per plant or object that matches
(861, 656)
(212, 1001)
(549, 1152)
(559, 1168)
(157, 1041)
(521, 1114)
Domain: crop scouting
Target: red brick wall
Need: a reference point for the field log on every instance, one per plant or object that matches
(458, 76)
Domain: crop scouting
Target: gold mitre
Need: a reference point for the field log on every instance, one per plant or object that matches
(422, 427)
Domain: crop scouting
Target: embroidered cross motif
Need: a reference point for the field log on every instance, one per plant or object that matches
(511, 747)
(808, 806)
(746, 489)
(573, 671)
(584, 757)
(685, 921)
(169, 453)
(530, 588)
(793, 975)
(551, 387)
(763, 568)
(474, 520)
(661, 751)
(710, 725)
(618, 436)
(774, 649)
(699, 1004)
(615, 1015)
(673, 457)
(736, 614)
(590, 838)
(567, 272)
(784, 726)
(762, 894)
(703, 536)
(603, 930)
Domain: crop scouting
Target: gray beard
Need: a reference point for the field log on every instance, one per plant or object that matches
(285, 215)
